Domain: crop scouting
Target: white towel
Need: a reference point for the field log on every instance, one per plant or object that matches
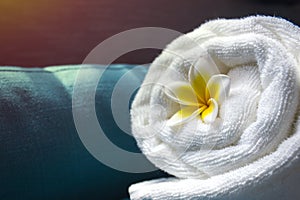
(251, 150)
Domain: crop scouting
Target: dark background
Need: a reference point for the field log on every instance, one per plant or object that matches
(51, 32)
(37, 33)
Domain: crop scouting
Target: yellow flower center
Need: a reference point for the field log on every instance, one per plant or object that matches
(200, 97)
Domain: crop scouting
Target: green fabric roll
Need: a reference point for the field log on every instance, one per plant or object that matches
(42, 156)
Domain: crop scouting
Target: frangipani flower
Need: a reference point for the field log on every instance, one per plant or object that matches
(200, 97)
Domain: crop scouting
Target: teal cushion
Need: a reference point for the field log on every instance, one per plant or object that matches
(42, 156)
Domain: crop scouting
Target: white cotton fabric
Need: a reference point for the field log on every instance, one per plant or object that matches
(251, 151)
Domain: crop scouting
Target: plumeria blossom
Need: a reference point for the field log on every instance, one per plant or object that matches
(200, 96)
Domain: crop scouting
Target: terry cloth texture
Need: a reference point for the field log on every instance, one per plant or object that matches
(251, 151)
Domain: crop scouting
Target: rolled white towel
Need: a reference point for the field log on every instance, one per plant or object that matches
(218, 109)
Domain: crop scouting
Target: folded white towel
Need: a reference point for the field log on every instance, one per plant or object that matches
(248, 145)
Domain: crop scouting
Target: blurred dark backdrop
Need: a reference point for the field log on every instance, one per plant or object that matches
(50, 32)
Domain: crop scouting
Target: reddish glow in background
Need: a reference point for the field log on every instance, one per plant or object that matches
(51, 32)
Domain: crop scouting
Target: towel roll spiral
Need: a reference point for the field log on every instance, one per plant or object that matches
(254, 134)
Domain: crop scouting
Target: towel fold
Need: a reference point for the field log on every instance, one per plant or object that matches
(242, 145)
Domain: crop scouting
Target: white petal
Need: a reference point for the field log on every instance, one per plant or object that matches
(200, 73)
(184, 115)
(218, 88)
(181, 92)
(210, 114)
